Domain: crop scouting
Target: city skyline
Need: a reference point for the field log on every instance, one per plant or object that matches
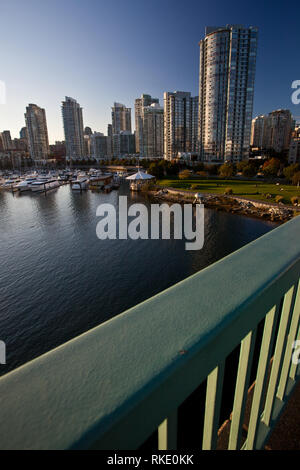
(171, 61)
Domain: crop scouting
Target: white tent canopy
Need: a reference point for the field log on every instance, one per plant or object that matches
(140, 175)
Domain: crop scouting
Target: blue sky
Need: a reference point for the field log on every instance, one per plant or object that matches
(101, 51)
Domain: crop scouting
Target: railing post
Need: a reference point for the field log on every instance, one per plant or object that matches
(287, 361)
(261, 376)
(277, 361)
(167, 433)
(294, 366)
(212, 407)
(241, 390)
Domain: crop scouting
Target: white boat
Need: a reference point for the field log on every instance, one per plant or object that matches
(80, 183)
(95, 175)
(116, 181)
(10, 183)
(44, 183)
(122, 174)
(53, 182)
(25, 185)
(63, 177)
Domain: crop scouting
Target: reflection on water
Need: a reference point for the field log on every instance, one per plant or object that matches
(58, 280)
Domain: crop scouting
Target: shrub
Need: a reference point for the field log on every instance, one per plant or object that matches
(289, 171)
(226, 170)
(211, 169)
(156, 170)
(228, 191)
(203, 174)
(279, 198)
(249, 171)
(271, 167)
(294, 199)
(296, 178)
(184, 175)
(145, 187)
(199, 167)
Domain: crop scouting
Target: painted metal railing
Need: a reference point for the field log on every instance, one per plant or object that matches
(111, 387)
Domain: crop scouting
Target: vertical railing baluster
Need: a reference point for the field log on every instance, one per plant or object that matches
(212, 407)
(287, 361)
(261, 376)
(241, 390)
(167, 433)
(294, 366)
(277, 360)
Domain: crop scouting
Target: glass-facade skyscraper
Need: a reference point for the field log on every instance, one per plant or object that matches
(35, 118)
(73, 127)
(226, 90)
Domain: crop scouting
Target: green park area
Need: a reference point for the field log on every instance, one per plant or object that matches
(259, 190)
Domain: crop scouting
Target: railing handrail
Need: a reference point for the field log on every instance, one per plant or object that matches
(131, 372)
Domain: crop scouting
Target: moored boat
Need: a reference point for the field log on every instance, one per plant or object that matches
(10, 183)
(25, 184)
(44, 183)
(80, 183)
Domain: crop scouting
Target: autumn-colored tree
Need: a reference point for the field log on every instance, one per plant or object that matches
(156, 170)
(290, 170)
(271, 167)
(296, 178)
(226, 170)
(249, 170)
(184, 174)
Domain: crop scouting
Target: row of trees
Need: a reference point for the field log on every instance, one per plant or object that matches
(270, 169)
(15, 163)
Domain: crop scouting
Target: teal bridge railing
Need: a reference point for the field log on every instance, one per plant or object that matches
(113, 386)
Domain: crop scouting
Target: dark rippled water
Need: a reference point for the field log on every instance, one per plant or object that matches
(58, 280)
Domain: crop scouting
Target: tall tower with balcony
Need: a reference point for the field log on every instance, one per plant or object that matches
(226, 90)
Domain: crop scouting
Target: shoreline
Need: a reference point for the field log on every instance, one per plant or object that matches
(229, 203)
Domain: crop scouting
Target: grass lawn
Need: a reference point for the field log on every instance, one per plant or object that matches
(248, 189)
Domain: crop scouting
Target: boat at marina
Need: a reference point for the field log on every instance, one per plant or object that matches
(63, 177)
(122, 174)
(95, 175)
(25, 184)
(44, 183)
(41, 181)
(102, 182)
(11, 182)
(81, 182)
(116, 181)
